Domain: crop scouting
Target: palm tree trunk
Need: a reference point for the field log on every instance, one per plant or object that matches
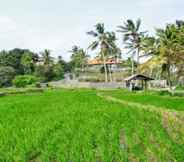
(132, 64)
(138, 56)
(105, 67)
(110, 74)
(169, 77)
(137, 60)
(82, 68)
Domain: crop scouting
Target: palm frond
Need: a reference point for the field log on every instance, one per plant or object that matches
(93, 46)
(100, 28)
(138, 24)
(92, 33)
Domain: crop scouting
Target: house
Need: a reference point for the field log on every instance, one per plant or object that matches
(111, 62)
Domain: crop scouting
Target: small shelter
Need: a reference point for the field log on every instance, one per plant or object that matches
(131, 81)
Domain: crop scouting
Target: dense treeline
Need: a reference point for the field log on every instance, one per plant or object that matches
(18, 62)
(164, 52)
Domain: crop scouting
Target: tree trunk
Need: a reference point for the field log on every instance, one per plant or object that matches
(138, 56)
(110, 73)
(82, 68)
(169, 77)
(132, 64)
(137, 60)
(105, 67)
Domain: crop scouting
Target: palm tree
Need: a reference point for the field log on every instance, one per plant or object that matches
(79, 57)
(132, 37)
(168, 50)
(47, 59)
(106, 42)
(27, 62)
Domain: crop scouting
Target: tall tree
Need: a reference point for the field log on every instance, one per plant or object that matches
(27, 62)
(106, 42)
(132, 37)
(168, 50)
(79, 58)
(59, 69)
(171, 49)
(47, 59)
(46, 71)
(13, 58)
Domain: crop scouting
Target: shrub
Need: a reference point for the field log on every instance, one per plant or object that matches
(24, 80)
(6, 76)
(45, 73)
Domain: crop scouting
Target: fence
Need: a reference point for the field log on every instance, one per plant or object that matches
(76, 84)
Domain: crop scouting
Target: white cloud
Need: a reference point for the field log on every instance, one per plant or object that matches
(60, 24)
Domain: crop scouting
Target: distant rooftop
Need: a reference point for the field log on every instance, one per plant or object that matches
(98, 61)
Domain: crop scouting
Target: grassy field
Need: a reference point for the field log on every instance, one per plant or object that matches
(91, 126)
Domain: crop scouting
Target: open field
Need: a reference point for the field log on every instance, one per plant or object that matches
(91, 126)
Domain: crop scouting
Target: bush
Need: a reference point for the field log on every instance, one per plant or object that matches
(6, 76)
(24, 80)
(45, 73)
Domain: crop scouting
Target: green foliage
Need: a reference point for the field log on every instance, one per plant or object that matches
(27, 63)
(46, 58)
(168, 50)
(6, 75)
(106, 41)
(58, 71)
(24, 80)
(13, 58)
(45, 73)
(78, 58)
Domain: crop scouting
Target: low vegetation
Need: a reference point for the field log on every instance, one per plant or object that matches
(87, 125)
(24, 80)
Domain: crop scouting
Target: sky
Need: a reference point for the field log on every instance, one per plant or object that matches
(59, 24)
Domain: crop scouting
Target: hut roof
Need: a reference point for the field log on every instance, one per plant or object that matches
(138, 77)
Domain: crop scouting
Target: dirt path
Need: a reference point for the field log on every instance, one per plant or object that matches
(172, 120)
(152, 108)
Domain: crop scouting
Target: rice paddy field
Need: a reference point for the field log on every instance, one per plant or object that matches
(83, 125)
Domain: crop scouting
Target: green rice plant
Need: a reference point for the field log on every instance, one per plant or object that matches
(79, 126)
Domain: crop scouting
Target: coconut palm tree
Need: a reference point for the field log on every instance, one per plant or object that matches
(132, 37)
(105, 41)
(168, 50)
(79, 57)
(47, 59)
